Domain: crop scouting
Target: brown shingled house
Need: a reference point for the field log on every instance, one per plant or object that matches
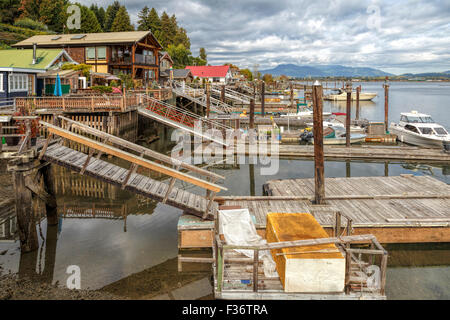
(134, 52)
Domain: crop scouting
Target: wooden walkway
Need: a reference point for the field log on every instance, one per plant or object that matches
(137, 183)
(366, 152)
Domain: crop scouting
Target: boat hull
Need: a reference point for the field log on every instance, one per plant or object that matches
(343, 97)
(415, 139)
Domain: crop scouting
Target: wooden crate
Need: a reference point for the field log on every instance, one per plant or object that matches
(318, 268)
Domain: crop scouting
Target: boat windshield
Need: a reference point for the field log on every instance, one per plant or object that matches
(440, 131)
(416, 119)
(426, 130)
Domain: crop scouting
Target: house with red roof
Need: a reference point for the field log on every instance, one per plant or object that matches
(220, 74)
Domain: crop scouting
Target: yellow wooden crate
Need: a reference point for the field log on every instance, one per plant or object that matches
(317, 268)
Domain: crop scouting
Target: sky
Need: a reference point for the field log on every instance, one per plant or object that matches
(398, 36)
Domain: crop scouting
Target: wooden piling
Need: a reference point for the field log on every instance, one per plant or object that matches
(263, 91)
(318, 144)
(49, 186)
(386, 105)
(252, 114)
(292, 94)
(348, 115)
(208, 99)
(358, 90)
(25, 217)
(222, 94)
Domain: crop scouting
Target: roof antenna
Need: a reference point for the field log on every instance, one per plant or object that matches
(34, 53)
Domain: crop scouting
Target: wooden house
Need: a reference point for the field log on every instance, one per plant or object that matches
(134, 52)
(19, 69)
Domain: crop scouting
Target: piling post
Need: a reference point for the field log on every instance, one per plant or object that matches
(50, 206)
(348, 116)
(291, 86)
(318, 143)
(252, 114)
(386, 104)
(25, 217)
(222, 94)
(358, 90)
(208, 99)
(263, 92)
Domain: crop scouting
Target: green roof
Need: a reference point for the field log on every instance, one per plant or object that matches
(22, 59)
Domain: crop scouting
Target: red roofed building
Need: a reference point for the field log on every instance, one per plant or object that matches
(211, 73)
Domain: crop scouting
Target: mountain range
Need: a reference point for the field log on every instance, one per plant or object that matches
(292, 70)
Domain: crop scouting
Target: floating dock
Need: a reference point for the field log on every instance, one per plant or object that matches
(398, 209)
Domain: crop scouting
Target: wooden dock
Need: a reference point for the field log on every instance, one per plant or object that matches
(364, 152)
(399, 209)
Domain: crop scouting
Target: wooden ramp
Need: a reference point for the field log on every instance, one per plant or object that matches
(198, 96)
(129, 179)
(182, 119)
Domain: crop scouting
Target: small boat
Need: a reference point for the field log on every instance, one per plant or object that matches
(332, 121)
(334, 136)
(420, 129)
(306, 113)
(341, 95)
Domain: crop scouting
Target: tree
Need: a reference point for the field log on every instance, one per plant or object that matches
(202, 54)
(122, 21)
(111, 13)
(165, 39)
(267, 78)
(9, 11)
(182, 38)
(143, 22)
(30, 9)
(89, 22)
(247, 74)
(180, 55)
(154, 23)
(100, 13)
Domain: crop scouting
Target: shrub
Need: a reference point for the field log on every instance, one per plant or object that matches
(102, 89)
(30, 24)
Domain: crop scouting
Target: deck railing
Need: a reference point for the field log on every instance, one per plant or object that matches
(80, 103)
(22, 125)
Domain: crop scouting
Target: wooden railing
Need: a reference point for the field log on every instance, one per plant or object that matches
(80, 103)
(25, 137)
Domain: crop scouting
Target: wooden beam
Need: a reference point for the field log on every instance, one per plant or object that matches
(131, 158)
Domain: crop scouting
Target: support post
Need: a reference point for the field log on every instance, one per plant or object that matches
(25, 217)
(222, 94)
(318, 143)
(49, 185)
(292, 94)
(348, 115)
(208, 99)
(386, 105)
(263, 92)
(358, 90)
(252, 114)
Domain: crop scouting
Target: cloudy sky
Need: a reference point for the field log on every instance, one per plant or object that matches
(395, 36)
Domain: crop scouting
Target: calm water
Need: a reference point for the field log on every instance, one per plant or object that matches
(137, 242)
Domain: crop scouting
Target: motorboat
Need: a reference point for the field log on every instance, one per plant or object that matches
(341, 95)
(333, 121)
(334, 136)
(420, 129)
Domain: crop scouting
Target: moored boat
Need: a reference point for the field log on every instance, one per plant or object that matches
(341, 95)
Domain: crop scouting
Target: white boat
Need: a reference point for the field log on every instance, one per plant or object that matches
(332, 121)
(420, 129)
(304, 114)
(342, 96)
(335, 136)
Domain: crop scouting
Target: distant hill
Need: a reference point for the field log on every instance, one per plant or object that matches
(445, 74)
(11, 34)
(292, 70)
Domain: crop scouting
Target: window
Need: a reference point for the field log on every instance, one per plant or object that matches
(440, 131)
(411, 128)
(101, 53)
(426, 130)
(1, 82)
(90, 53)
(18, 82)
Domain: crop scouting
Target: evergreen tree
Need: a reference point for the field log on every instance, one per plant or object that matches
(111, 13)
(154, 23)
(89, 22)
(165, 30)
(182, 38)
(180, 55)
(143, 22)
(202, 54)
(9, 11)
(122, 21)
(99, 13)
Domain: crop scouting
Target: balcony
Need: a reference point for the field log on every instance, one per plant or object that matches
(144, 59)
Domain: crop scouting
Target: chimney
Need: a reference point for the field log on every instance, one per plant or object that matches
(34, 53)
